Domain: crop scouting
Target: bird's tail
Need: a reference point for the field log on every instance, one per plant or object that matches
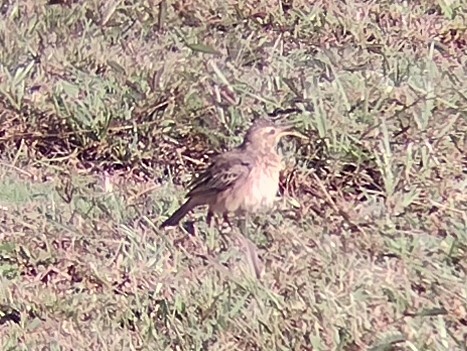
(180, 213)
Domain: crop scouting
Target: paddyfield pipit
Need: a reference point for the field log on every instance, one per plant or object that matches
(241, 181)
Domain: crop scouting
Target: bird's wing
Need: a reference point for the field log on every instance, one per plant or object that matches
(225, 170)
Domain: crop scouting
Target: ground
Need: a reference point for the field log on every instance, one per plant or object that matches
(107, 110)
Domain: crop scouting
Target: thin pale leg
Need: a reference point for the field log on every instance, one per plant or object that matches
(244, 224)
(209, 218)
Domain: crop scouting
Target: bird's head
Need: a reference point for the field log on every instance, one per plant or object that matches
(266, 134)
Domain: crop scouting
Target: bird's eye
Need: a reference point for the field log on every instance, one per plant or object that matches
(271, 131)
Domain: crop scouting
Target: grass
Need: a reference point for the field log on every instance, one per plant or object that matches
(108, 108)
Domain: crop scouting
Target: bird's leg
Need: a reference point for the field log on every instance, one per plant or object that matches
(223, 229)
(244, 224)
(209, 218)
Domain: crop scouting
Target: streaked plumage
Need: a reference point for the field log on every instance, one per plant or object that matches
(244, 179)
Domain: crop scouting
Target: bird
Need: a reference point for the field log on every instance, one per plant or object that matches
(241, 181)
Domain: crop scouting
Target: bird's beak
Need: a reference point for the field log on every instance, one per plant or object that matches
(288, 130)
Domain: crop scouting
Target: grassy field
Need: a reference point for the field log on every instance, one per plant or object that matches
(107, 109)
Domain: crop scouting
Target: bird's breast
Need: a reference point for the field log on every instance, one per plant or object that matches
(263, 186)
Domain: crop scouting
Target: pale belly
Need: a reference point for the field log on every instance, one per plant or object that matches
(262, 191)
(258, 191)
